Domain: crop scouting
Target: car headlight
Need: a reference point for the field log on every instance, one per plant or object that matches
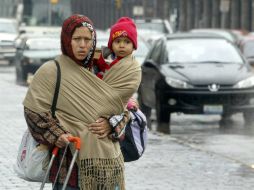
(246, 83)
(178, 83)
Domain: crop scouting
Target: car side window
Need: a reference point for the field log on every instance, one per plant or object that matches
(155, 54)
(164, 54)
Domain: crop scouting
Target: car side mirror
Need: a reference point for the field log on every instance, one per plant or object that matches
(150, 64)
(22, 31)
(251, 61)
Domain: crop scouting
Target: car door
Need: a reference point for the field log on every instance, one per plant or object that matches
(151, 74)
(18, 60)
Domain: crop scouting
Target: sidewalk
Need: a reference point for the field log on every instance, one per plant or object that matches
(166, 164)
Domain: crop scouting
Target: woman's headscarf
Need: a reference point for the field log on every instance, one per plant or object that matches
(68, 28)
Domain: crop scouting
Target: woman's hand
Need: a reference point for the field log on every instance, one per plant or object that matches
(62, 141)
(101, 127)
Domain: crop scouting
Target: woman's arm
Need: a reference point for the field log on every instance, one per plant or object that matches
(45, 129)
(112, 127)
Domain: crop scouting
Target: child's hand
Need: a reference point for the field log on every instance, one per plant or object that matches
(132, 104)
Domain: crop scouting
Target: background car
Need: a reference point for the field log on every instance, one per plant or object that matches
(195, 73)
(32, 52)
(151, 29)
(153, 24)
(142, 50)
(8, 34)
(246, 45)
(228, 34)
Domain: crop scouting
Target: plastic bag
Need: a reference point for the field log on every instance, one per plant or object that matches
(32, 159)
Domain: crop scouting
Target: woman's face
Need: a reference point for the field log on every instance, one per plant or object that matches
(81, 42)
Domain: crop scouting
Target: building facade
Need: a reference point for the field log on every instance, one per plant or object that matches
(182, 14)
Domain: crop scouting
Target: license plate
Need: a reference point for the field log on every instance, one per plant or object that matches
(213, 109)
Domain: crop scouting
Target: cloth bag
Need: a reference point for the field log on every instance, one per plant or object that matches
(32, 159)
(135, 140)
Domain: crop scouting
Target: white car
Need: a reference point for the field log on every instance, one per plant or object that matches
(8, 35)
(152, 29)
(155, 25)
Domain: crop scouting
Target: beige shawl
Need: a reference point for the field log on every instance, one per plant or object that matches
(83, 98)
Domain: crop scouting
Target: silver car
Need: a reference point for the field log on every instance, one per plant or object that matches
(8, 34)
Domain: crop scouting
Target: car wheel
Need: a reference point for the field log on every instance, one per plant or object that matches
(248, 118)
(146, 110)
(21, 75)
(226, 121)
(18, 74)
(11, 62)
(163, 116)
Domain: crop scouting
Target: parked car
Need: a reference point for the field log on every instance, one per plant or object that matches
(239, 34)
(32, 52)
(152, 29)
(153, 24)
(246, 45)
(40, 30)
(8, 34)
(29, 31)
(142, 50)
(228, 34)
(195, 73)
(102, 38)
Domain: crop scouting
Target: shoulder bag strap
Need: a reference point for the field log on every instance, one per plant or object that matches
(58, 81)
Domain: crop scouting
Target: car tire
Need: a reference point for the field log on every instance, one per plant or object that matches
(18, 73)
(146, 110)
(163, 116)
(11, 62)
(226, 120)
(21, 75)
(248, 118)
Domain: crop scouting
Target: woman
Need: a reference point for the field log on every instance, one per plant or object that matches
(83, 98)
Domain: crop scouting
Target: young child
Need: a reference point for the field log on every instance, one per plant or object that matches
(122, 42)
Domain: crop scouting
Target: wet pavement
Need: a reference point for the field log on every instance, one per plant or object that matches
(180, 161)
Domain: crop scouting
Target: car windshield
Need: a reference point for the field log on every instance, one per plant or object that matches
(248, 49)
(44, 13)
(8, 27)
(43, 44)
(202, 50)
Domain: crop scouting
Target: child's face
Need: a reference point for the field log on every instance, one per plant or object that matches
(122, 46)
(81, 42)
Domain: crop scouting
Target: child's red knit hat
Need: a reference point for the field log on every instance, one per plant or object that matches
(124, 27)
